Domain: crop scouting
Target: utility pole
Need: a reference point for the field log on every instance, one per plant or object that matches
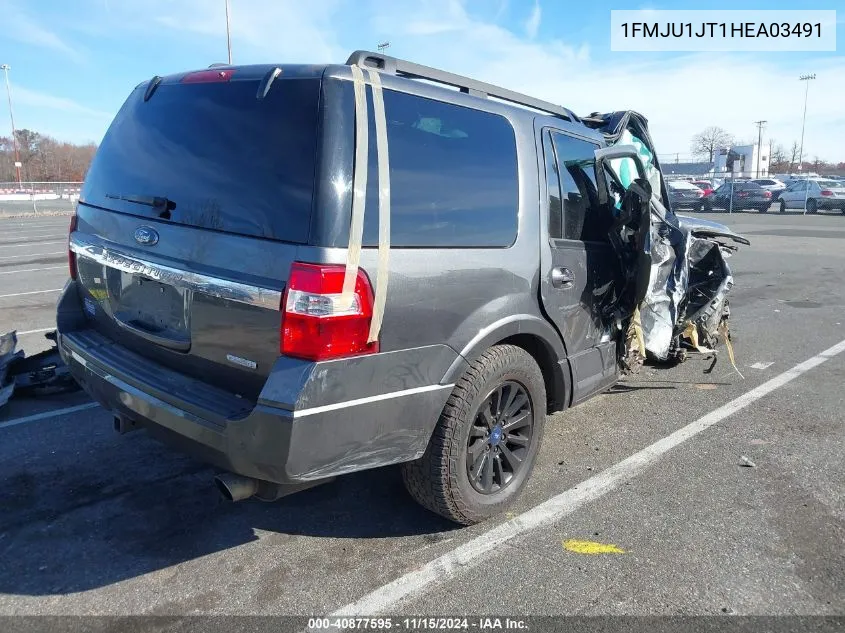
(6, 68)
(806, 78)
(382, 46)
(759, 125)
(228, 35)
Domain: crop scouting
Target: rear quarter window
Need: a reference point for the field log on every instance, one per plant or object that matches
(453, 175)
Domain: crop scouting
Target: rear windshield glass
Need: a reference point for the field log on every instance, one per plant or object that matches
(214, 156)
(831, 184)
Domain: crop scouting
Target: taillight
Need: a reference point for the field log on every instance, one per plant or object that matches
(827, 192)
(316, 322)
(767, 194)
(207, 76)
(71, 256)
(743, 194)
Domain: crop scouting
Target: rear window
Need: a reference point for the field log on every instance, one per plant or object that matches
(453, 175)
(221, 158)
(831, 184)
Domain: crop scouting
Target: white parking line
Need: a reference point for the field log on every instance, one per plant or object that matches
(32, 255)
(32, 292)
(44, 329)
(31, 239)
(48, 414)
(31, 244)
(567, 502)
(30, 270)
(56, 232)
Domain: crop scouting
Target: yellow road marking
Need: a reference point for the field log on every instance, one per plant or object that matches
(591, 547)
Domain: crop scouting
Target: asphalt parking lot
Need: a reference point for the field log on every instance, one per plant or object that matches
(720, 494)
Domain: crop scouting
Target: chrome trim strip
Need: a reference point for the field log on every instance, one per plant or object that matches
(300, 413)
(206, 284)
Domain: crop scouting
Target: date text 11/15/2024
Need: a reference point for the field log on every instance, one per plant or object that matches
(417, 624)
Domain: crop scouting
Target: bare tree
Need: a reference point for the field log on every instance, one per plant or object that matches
(706, 143)
(794, 151)
(777, 158)
(44, 158)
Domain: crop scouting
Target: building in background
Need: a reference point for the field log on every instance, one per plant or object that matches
(744, 161)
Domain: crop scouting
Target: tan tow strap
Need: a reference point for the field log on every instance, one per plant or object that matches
(359, 189)
(383, 206)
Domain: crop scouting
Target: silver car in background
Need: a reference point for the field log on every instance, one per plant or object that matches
(813, 194)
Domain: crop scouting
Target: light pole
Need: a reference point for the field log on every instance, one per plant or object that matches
(759, 125)
(228, 35)
(382, 46)
(6, 68)
(806, 78)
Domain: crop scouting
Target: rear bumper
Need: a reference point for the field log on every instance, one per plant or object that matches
(271, 439)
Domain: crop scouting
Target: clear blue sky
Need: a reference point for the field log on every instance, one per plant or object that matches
(73, 63)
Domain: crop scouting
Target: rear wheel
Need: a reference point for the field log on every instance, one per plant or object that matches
(811, 206)
(782, 206)
(484, 446)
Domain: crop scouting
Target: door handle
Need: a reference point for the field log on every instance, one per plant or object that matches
(562, 278)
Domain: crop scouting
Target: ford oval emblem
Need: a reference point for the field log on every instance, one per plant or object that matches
(146, 236)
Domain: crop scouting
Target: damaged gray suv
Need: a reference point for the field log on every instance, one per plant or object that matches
(298, 272)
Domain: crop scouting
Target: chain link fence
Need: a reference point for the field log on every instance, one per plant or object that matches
(38, 198)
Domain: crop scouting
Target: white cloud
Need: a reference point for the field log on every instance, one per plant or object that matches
(262, 30)
(19, 27)
(35, 99)
(532, 24)
(679, 95)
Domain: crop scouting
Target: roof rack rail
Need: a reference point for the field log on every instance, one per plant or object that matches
(402, 68)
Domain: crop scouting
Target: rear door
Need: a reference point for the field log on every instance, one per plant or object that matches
(579, 278)
(190, 216)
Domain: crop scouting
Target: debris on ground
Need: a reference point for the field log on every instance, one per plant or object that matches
(746, 463)
(44, 373)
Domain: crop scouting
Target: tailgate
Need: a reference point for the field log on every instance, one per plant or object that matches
(181, 305)
(192, 211)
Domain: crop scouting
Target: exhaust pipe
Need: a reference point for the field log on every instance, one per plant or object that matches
(235, 487)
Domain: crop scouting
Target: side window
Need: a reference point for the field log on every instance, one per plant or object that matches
(553, 184)
(453, 175)
(582, 217)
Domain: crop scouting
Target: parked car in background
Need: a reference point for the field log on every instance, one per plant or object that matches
(746, 195)
(705, 185)
(818, 194)
(683, 194)
(771, 184)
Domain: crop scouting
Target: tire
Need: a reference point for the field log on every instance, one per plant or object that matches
(812, 207)
(782, 206)
(763, 209)
(440, 480)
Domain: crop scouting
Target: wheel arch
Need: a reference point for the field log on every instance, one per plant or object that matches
(537, 337)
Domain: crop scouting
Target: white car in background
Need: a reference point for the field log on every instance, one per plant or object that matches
(818, 193)
(771, 184)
